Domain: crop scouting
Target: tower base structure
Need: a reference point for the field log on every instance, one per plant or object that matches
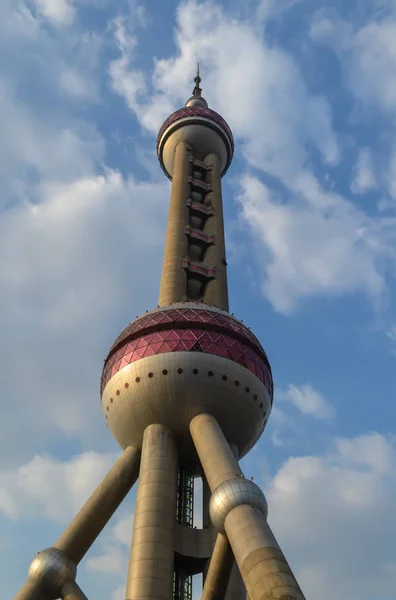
(238, 512)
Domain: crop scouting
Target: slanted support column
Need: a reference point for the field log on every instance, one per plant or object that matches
(217, 289)
(30, 591)
(71, 591)
(173, 286)
(150, 574)
(79, 536)
(238, 509)
(219, 571)
(51, 568)
(236, 588)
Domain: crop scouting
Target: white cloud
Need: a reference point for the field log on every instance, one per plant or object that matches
(127, 82)
(114, 559)
(309, 401)
(274, 9)
(67, 264)
(50, 488)
(364, 177)
(122, 530)
(113, 562)
(367, 55)
(324, 508)
(286, 428)
(374, 452)
(282, 428)
(34, 144)
(59, 11)
(64, 63)
(391, 333)
(317, 244)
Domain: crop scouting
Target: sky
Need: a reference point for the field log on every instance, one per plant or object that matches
(308, 89)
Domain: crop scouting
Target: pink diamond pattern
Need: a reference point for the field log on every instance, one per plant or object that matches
(185, 315)
(190, 340)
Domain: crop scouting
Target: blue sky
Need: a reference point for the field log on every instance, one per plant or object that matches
(308, 88)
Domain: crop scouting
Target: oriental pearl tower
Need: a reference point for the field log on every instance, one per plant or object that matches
(186, 391)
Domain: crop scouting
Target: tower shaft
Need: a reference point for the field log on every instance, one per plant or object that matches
(194, 264)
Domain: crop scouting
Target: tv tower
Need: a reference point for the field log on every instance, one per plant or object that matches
(186, 391)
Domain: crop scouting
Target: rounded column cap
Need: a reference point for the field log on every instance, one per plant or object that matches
(50, 569)
(233, 493)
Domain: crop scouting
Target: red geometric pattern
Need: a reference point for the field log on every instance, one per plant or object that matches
(188, 340)
(196, 111)
(162, 319)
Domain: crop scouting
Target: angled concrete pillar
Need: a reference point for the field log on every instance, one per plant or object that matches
(79, 536)
(71, 591)
(30, 591)
(236, 589)
(219, 571)
(150, 574)
(238, 509)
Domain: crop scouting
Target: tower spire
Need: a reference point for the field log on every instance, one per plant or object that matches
(197, 99)
(197, 90)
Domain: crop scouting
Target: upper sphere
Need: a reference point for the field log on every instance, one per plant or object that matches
(203, 128)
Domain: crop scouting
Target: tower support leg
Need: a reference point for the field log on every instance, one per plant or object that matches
(219, 571)
(71, 591)
(79, 536)
(263, 567)
(29, 591)
(150, 574)
(236, 587)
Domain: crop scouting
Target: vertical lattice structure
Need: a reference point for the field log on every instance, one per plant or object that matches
(182, 585)
(185, 390)
(185, 498)
(182, 581)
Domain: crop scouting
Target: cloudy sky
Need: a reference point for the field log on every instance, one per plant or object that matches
(308, 88)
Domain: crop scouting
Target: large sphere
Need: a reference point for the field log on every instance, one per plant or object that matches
(232, 493)
(203, 128)
(51, 569)
(178, 361)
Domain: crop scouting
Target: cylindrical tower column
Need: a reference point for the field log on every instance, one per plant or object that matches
(150, 574)
(216, 292)
(30, 591)
(79, 536)
(71, 591)
(219, 571)
(239, 512)
(173, 286)
(236, 587)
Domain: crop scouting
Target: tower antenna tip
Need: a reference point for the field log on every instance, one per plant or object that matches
(197, 79)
